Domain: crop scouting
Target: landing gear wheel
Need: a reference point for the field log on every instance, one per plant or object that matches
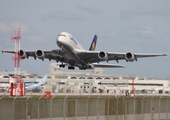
(62, 66)
(71, 67)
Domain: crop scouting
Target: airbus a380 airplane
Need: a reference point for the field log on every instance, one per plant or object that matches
(72, 54)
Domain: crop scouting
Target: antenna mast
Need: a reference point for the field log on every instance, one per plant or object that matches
(17, 57)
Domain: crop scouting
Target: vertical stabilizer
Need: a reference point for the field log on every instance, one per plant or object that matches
(43, 80)
(93, 44)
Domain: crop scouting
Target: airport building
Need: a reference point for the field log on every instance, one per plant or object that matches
(6, 77)
(69, 81)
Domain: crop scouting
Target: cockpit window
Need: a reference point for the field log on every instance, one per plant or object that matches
(62, 35)
(72, 38)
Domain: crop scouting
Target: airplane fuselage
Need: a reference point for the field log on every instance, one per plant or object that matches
(69, 45)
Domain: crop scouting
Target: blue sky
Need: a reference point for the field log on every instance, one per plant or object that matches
(121, 26)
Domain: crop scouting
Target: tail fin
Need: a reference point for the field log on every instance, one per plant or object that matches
(93, 44)
(43, 80)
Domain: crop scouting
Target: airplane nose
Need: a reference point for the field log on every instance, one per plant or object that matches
(59, 40)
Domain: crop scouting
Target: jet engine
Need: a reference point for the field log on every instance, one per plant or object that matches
(40, 54)
(129, 57)
(103, 56)
(23, 54)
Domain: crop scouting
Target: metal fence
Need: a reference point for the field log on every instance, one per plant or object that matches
(85, 107)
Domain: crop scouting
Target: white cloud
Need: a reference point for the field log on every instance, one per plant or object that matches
(63, 15)
(35, 39)
(24, 27)
(143, 11)
(147, 31)
(88, 9)
(6, 27)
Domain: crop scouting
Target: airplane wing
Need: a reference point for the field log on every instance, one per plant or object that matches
(131, 56)
(51, 55)
(98, 56)
(88, 56)
(28, 53)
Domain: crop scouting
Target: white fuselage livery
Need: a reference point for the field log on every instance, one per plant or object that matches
(68, 40)
(70, 46)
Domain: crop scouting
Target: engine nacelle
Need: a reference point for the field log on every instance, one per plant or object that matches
(23, 54)
(40, 54)
(103, 56)
(129, 57)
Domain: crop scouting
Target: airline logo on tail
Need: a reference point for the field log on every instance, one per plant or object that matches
(93, 44)
(43, 81)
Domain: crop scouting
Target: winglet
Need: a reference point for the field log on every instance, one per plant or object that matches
(93, 44)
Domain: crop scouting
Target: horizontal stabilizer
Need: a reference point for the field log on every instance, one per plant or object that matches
(107, 65)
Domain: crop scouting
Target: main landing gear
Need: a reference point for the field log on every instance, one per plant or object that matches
(62, 65)
(71, 67)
